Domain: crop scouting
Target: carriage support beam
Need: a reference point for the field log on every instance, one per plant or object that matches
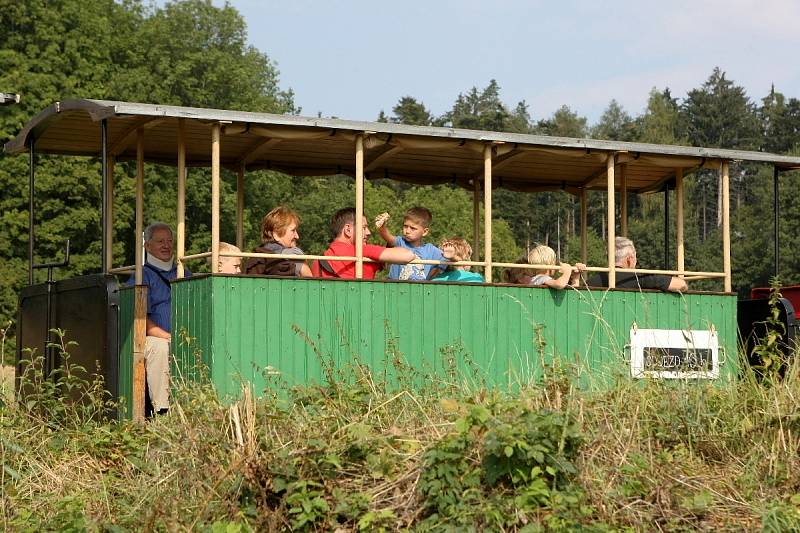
(726, 226)
(359, 227)
(665, 263)
(240, 207)
(487, 211)
(180, 223)
(584, 229)
(612, 272)
(140, 291)
(679, 217)
(623, 200)
(215, 165)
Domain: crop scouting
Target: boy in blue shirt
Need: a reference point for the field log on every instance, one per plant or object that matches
(416, 225)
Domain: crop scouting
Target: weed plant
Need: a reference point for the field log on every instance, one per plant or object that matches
(369, 451)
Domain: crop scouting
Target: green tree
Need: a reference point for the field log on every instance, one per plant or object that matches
(563, 123)
(483, 110)
(409, 111)
(615, 124)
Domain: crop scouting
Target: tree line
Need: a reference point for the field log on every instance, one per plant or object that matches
(193, 53)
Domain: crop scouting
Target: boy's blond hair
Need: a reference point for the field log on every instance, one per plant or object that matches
(461, 246)
(420, 215)
(542, 255)
(225, 247)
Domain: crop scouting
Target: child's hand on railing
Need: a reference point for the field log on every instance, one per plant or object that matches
(381, 219)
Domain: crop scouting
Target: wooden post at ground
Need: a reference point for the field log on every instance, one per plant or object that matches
(476, 217)
(240, 208)
(140, 291)
(359, 229)
(139, 339)
(487, 211)
(612, 271)
(679, 217)
(180, 229)
(584, 228)
(726, 227)
(215, 164)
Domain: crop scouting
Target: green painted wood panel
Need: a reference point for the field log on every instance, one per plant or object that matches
(244, 328)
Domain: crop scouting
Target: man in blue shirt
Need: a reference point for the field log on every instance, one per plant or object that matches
(159, 269)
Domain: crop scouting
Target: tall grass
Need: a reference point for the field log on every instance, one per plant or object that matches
(365, 452)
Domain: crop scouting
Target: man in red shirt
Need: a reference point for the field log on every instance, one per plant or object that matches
(343, 226)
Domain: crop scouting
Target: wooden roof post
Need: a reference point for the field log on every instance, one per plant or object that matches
(476, 217)
(487, 211)
(140, 291)
(105, 264)
(110, 215)
(240, 207)
(584, 228)
(612, 271)
(623, 200)
(726, 226)
(215, 134)
(679, 217)
(359, 206)
(180, 229)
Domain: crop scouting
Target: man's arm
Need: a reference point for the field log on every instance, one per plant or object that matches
(154, 330)
(397, 255)
(677, 285)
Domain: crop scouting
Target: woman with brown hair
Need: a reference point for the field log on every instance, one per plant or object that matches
(278, 236)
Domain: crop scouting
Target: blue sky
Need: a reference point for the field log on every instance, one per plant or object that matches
(353, 58)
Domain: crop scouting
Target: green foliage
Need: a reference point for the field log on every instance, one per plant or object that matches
(769, 351)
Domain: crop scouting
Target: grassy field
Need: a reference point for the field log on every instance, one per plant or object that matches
(355, 454)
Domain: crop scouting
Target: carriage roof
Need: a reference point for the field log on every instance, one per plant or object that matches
(306, 146)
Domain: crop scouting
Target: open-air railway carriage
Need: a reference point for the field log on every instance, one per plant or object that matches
(244, 327)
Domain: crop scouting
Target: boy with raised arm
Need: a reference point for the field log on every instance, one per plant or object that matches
(343, 229)
(416, 225)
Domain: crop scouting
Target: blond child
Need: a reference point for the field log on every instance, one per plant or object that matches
(544, 255)
(457, 249)
(416, 225)
(228, 265)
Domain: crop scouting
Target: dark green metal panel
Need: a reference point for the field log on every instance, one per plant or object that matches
(126, 304)
(246, 327)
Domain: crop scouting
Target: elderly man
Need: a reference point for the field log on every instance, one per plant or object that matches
(343, 228)
(625, 257)
(159, 269)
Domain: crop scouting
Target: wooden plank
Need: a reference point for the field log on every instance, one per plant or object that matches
(612, 276)
(215, 135)
(122, 142)
(584, 228)
(359, 206)
(380, 155)
(487, 211)
(726, 226)
(256, 150)
(139, 339)
(623, 200)
(504, 160)
(181, 215)
(240, 207)
(139, 223)
(679, 216)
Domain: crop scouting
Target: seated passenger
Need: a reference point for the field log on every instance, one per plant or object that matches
(518, 276)
(544, 255)
(457, 249)
(344, 231)
(278, 236)
(228, 265)
(158, 270)
(416, 225)
(625, 257)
